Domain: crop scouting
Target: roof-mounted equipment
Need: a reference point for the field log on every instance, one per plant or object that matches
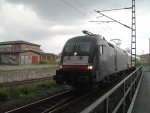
(116, 41)
(92, 34)
(87, 32)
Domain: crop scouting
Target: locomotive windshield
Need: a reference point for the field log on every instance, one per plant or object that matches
(77, 46)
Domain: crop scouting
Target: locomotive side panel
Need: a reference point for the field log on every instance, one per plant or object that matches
(111, 61)
(103, 61)
(122, 61)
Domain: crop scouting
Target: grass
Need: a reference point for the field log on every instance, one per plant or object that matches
(48, 62)
(3, 96)
(139, 64)
(145, 65)
(30, 90)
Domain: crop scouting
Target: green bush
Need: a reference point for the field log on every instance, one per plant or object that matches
(138, 64)
(24, 91)
(30, 90)
(13, 92)
(3, 96)
(44, 62)
(44, 86)
(47, 62)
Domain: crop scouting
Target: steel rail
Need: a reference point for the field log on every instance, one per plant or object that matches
(59, 104)
(28, 106)
(61, 108)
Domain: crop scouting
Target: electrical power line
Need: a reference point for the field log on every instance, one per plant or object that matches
(73, 7)
(113, 19)
(105, 30)
(80, 4)
(102, 21)
(115, 9)
(85, 7)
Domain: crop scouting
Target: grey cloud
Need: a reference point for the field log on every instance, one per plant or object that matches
(24, 34)
(55, 12)
(52, 10)
(59, 12)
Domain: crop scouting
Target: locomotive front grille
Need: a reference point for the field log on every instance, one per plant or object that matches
(74, 77)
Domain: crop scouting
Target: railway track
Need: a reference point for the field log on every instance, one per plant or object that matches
(78, 106)
(15, 83)
(66, 102)
(44, 105)
(53, 104)
(78, 98)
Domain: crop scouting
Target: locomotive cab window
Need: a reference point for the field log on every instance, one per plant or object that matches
(101, 49)
(78, 46)
(69, 47)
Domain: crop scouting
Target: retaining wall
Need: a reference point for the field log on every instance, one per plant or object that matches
(20, 75)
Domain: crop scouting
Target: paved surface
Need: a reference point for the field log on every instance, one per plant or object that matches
(142, 102)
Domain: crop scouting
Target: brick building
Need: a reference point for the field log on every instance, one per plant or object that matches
(144, 58)
(19, 52)
(48, 57)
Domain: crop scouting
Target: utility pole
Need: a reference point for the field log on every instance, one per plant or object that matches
(149, 55)
(133, 36)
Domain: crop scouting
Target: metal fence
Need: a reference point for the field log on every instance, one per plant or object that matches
(119, 98)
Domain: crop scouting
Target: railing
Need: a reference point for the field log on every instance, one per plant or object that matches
(119, 98)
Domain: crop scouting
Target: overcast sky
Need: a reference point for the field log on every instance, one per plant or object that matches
(51, 23)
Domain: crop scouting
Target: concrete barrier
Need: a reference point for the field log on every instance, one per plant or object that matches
(20, 75)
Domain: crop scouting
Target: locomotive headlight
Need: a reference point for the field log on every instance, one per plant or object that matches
(90, 67)
(75, 53)
(60, 66)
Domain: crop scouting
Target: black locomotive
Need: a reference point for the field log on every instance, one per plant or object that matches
(87, 60)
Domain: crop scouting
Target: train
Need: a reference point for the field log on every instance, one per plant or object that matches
(89, 59)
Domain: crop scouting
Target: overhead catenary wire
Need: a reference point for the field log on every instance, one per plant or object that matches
(88, 10)
(115, 9)
(73, 7)
(81, 5)
(105, 30)
(70, 5)
(113, 19)
(85, 7)
(102, 21)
